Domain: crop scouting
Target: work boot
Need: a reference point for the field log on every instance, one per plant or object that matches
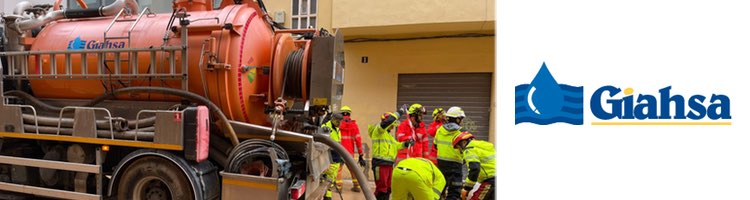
(356, 189)
(381, 196)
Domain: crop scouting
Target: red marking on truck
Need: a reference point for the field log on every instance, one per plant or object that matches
(177, 117)
(239, 68)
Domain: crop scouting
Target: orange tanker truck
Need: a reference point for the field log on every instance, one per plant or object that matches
(210, 101)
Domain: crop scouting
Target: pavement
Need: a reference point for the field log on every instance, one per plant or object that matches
(348, 194)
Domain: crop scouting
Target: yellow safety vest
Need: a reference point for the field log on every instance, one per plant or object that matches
(335, 133)
(429, 173)
(484, 153)
(384, 145)
(444, 142)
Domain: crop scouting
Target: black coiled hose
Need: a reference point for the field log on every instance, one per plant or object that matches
(255, 149)
(293, 75)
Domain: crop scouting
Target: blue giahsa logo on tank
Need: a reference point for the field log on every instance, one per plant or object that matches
(78, 44)
(545, 101)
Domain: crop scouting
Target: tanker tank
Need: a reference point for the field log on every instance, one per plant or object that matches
(235, 57)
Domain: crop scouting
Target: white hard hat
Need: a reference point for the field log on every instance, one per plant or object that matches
(455, 112)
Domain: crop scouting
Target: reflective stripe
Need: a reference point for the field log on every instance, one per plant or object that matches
(471, 157)
(383, 141)
(488, 158)
(382, 158)
(347, 137)
(443, 142)
(437, 191)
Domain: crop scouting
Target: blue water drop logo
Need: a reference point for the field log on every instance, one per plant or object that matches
(545, 90)
(544, 101)
(77, 43)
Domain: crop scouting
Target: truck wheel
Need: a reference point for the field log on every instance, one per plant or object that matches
(153, 178)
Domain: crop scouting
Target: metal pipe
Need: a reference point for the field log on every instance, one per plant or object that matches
(143, 134)
(185, 94)
(267, 130)
(33, 23)
(21, 7)
(350, 163)
(100, 124)
(118, 5)
(108, 10)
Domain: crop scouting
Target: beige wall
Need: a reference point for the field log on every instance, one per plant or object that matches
(362, 13)
(370, 89)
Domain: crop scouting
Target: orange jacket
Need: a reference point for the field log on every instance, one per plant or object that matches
(431, 132)
(350, 135)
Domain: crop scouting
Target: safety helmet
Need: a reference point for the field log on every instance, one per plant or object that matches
(416, 108)
(390, 118)
(455, 112)
(461, 137)
(346, 109)
(436, 111)
(337, 116)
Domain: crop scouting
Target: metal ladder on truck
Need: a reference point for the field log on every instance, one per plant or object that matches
(20, 65)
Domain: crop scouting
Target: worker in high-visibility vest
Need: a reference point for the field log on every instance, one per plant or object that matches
(332, 126)
(417, 178)
(413, 128)
(351, 140)
(384, 150)
(438, 118)
(449, 159)
(480, 159)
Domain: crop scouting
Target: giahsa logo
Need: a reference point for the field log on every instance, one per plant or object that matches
(645, 106)
(544, 101)
(78, 43)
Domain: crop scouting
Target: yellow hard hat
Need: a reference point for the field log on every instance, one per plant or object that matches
(414, 108)
(436, 111)
(346, 109)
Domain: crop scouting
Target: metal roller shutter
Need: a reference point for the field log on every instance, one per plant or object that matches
(470, 91)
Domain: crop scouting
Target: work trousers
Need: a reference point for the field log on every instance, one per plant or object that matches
(453, 179)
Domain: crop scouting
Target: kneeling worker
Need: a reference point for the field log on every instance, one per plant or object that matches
(417, 178)
(480, 158)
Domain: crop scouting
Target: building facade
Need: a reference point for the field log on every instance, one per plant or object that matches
(436, 53)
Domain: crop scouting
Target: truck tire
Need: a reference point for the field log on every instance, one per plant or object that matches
(153, 178)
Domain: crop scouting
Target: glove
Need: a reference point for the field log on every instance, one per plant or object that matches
(408, 143)
(401, 111)
(362, 161)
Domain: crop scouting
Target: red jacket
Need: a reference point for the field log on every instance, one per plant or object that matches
(432, 131)
(350, 135)
(421, 142)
